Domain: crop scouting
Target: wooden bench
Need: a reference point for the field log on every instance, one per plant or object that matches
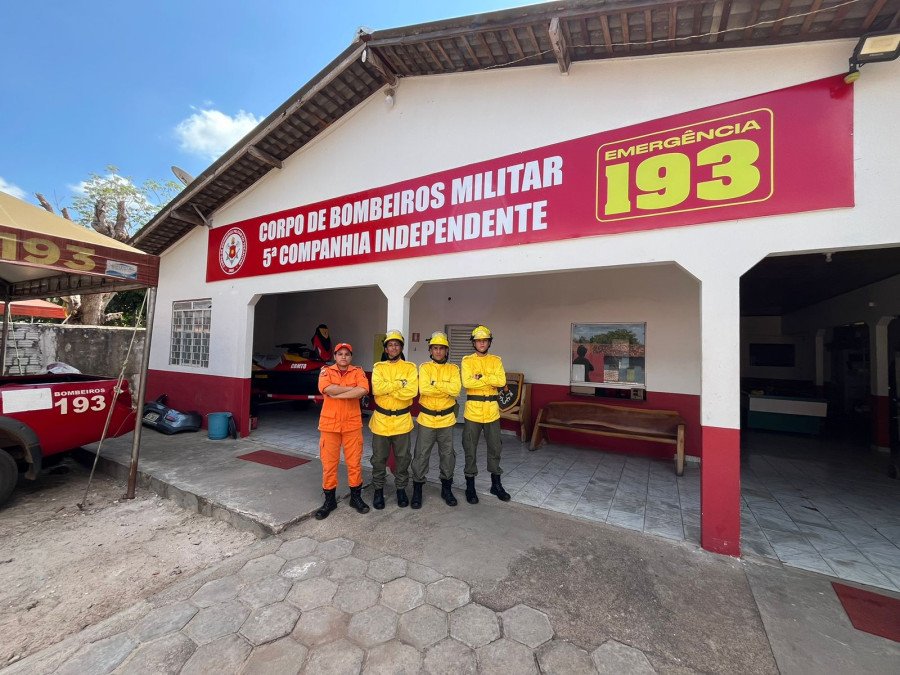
(514, 402)
(660, 426)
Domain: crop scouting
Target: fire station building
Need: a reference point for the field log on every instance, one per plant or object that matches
(693, 193)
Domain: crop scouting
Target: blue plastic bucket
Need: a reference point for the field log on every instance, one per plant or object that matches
(217, 424)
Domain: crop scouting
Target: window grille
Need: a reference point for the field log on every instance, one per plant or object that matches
(190, 333)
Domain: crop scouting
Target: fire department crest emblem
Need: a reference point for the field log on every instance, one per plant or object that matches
(232, 251)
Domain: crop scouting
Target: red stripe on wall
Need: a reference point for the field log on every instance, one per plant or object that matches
(203, 393)
(881, 421)
(720, 491)
(687, 405)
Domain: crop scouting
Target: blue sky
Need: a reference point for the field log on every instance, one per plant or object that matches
(145, 85)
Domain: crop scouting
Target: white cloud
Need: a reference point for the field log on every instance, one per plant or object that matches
(209, 132)
(11, 189)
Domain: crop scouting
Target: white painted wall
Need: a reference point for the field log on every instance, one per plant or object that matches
(768, 330)
(353, 315)
(442, 122)
(531, 317)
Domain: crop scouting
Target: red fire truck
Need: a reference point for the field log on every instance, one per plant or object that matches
(44, 415)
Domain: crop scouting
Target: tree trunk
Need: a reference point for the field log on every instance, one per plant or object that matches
(92, 311)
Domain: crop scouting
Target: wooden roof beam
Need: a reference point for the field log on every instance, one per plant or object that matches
(870, 17)
(560, 45)
(371, 58)
(723, 20)
(264, 156)
(607, 37)
(185, 217)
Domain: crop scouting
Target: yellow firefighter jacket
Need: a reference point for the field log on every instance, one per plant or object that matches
(493, 378)
(391, 394)
(439, 385)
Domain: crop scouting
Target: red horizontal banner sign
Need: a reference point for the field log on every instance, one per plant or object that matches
(754, 157)
(73, 256)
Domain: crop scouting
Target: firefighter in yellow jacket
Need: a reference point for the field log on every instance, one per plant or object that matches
(482, 378)
(439, 385)
(395, 383)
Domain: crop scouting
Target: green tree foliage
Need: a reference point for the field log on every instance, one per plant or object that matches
(114, 206)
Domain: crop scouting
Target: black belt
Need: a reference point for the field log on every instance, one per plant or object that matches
(473, 397)
(385, 411)
(437, 413)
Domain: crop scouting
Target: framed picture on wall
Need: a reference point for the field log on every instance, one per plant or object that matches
(607, 356)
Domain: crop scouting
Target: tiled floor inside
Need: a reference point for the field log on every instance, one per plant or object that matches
(808, 502)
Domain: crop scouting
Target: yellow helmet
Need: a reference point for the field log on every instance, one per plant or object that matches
(482, 333)
(393, 334)
(438, 338)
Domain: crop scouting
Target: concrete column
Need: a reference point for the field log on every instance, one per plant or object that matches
(720, 414)
(878, 373)
(398, 294)
(820, 359)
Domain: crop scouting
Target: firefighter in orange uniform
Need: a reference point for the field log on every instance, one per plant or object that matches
(395, 383)
(340, 423)
(482, 378)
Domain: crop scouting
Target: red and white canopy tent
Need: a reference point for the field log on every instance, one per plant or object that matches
(35, 309)
(43, 255)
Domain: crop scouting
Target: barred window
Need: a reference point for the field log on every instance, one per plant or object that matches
(190, 333)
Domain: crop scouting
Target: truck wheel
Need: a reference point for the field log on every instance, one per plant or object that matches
(9, 475)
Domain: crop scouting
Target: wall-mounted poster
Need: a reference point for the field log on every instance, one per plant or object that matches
(607, 355)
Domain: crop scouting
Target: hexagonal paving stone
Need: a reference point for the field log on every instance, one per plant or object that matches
(335, 548)
(165, 655)
(449, 657)
(372, 626)
(526, 625)
(559, 656)
(321, 625)
(349, 567)
(218, 590)
(312, 593)
(216, 621)
(448, 594)
(304, 568)
(101, 656)
(225, 655)
(164, 620)
(505, 656)
(614, 657)
(423, 574)
(403, 594)
(423, 626)
(393, 658)
(356, 595)
(339, 657)
(387, 568)
(474, 625)
(265, 591)
(297, 548)
(257, 568)
(285, 657)
(270, 623)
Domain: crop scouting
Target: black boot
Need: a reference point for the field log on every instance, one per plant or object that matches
(497, 488)
(402, 499)
(447, 493)
(329, 505)
(356, 500)
(378, 499)
(471, 497)
(417, 495)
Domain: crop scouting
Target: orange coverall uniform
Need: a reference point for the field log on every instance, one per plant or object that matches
(340, 423)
